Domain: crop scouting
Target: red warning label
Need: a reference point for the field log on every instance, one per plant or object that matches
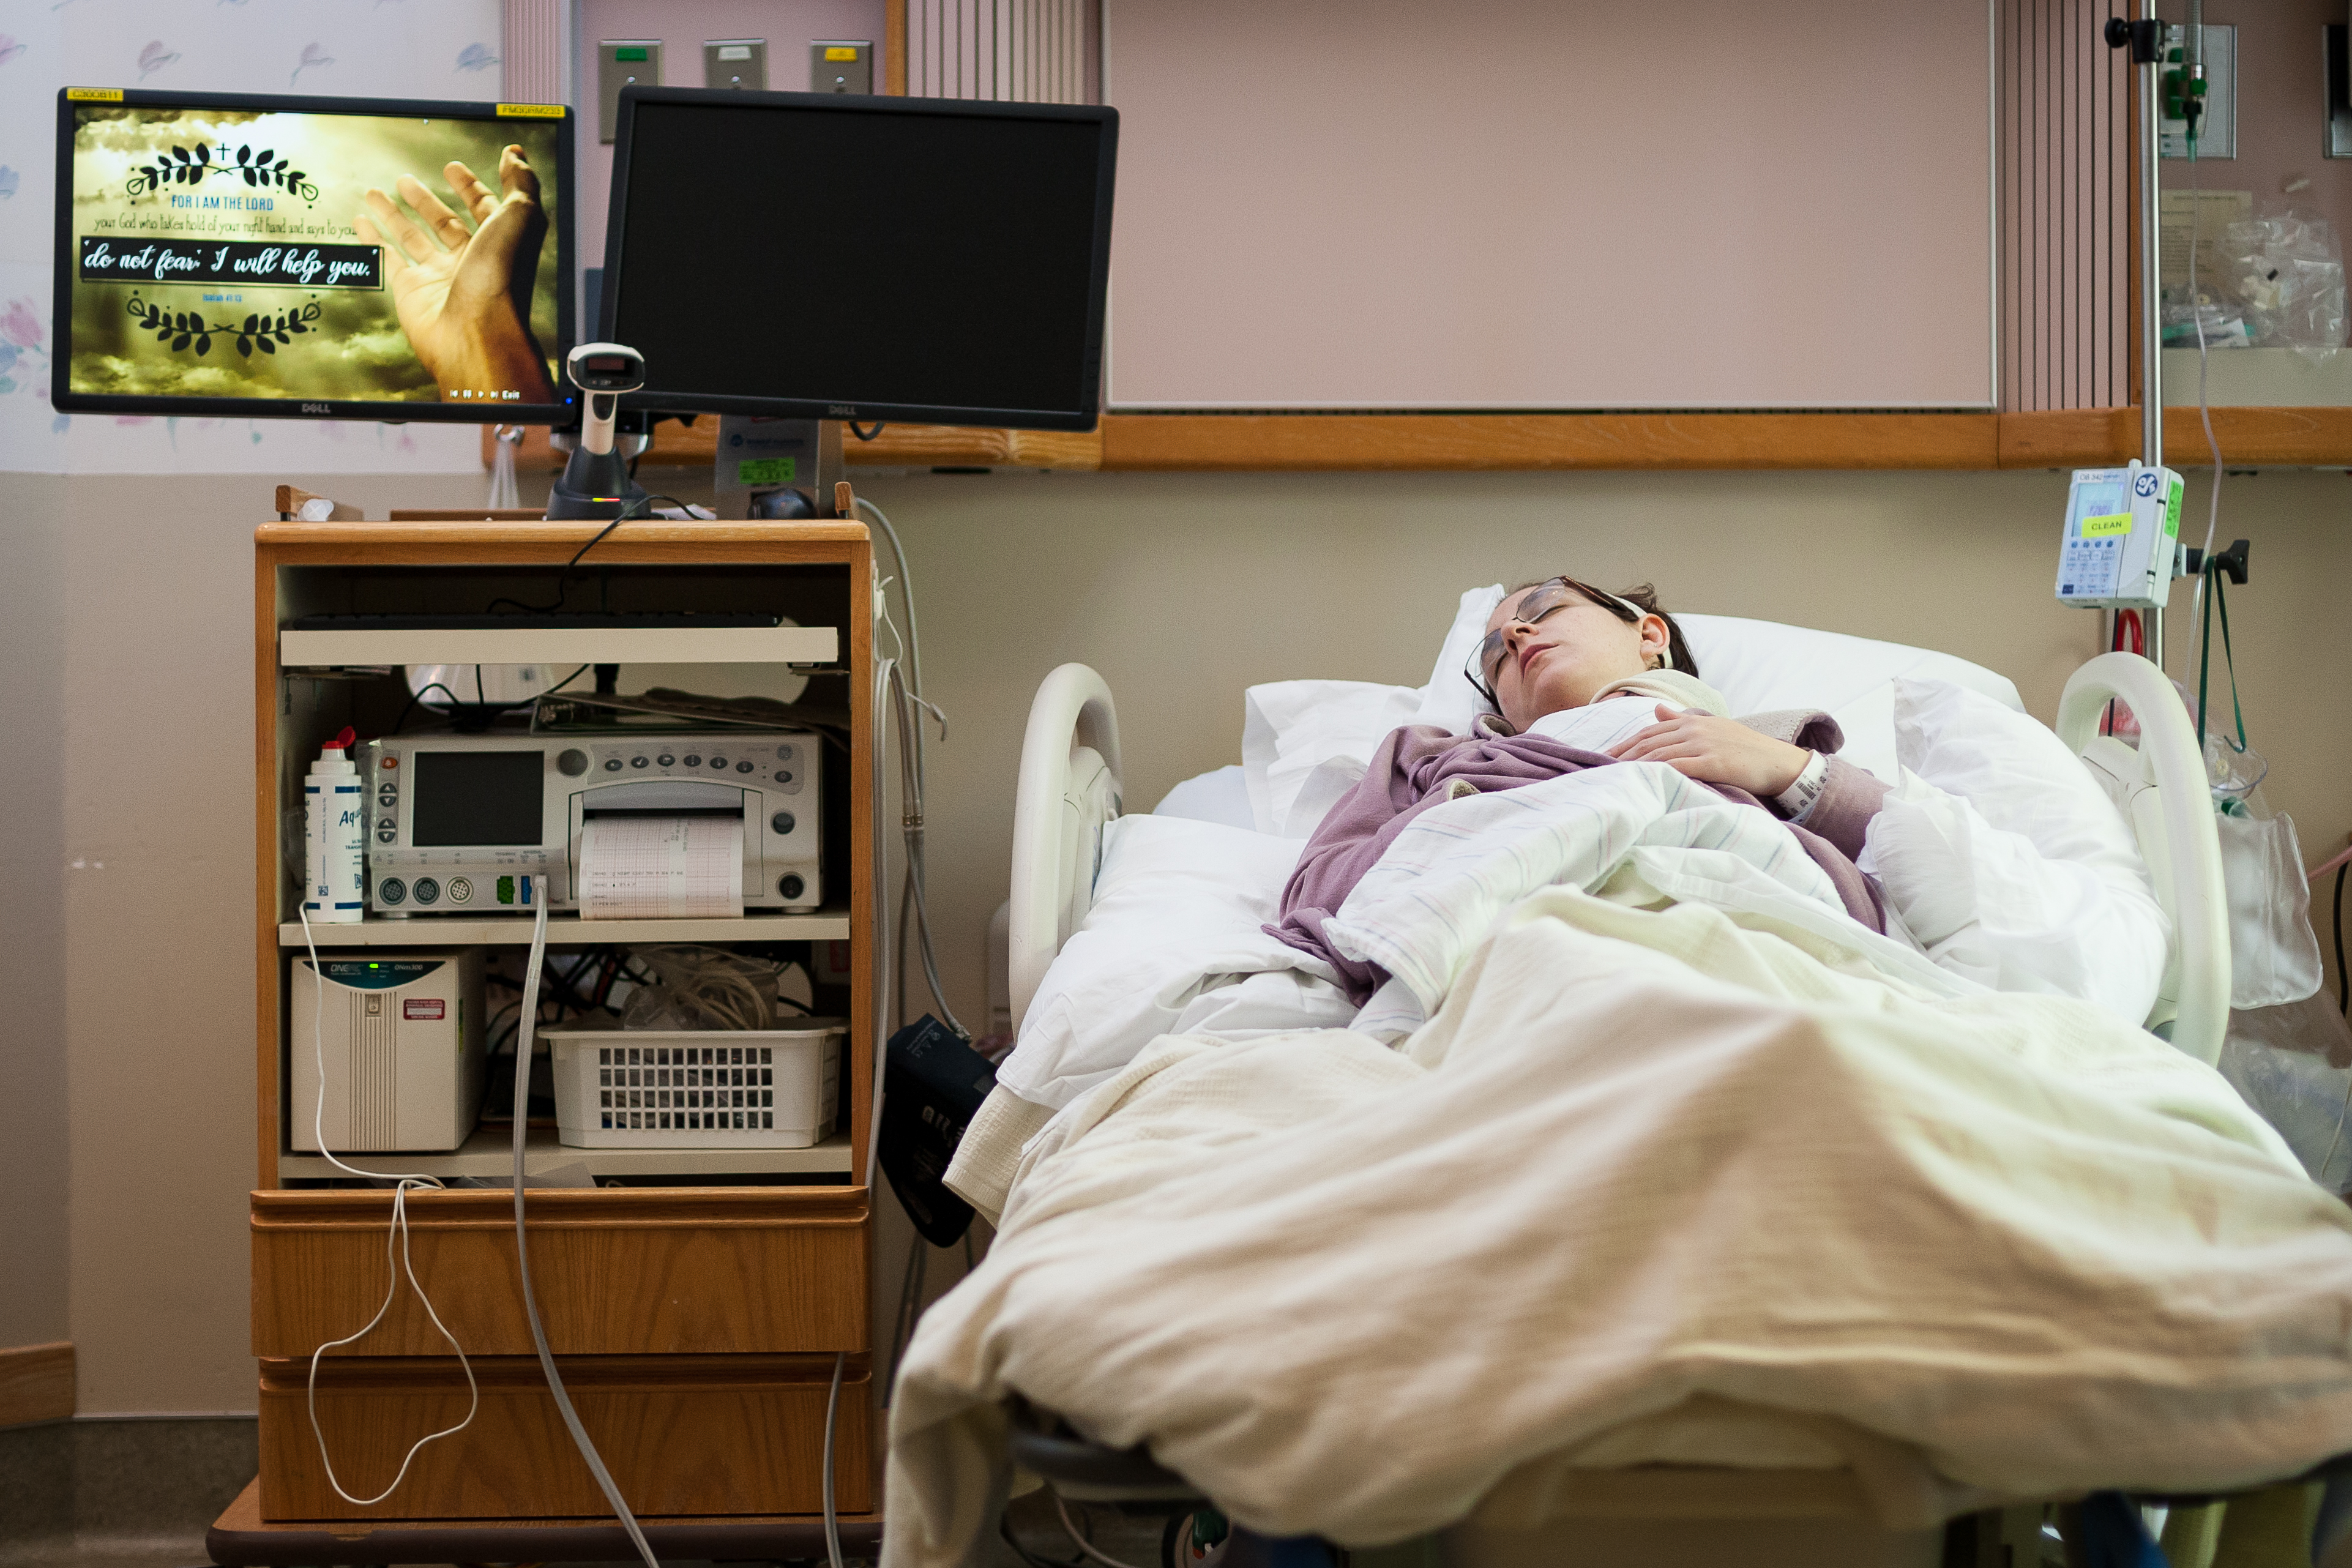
(432, 1009)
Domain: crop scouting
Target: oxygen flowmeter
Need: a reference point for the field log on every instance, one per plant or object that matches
(2122, 540)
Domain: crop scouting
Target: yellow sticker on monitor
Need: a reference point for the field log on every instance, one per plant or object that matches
(531, 112)
(93, 95)
(2100, 527)
(839, 52)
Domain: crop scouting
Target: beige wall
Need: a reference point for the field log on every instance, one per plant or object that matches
(125, 611)
(33, 1184)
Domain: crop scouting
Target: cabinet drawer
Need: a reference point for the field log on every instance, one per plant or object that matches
(736, 1270)
(683, 1436)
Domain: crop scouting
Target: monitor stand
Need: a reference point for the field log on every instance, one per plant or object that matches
(775, 467)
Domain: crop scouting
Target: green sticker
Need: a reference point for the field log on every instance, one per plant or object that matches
(2112, 522)
(765, 470)
(2172, 511)
(630, 54)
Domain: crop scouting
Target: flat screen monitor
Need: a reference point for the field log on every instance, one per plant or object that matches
(339, 258)
(815, 256)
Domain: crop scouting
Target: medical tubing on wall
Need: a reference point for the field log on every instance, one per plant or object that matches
(2204, 408)
(529, 1017)
(396, 1236)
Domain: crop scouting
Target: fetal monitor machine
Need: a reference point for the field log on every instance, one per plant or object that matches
(2122, 538)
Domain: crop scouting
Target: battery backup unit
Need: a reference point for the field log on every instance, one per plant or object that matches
(401, 1034)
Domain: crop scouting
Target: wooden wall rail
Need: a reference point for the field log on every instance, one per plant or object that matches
(2310, 437)
(37, 1383)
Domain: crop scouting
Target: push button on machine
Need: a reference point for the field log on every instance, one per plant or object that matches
(612, 764)
(636, 762)
(665, 760)
(781, 822)
(743, 767)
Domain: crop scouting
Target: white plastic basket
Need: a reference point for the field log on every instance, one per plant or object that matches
(701, 1088)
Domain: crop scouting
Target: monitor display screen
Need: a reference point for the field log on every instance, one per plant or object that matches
(815, 256)
(346, 258)
(475, 798)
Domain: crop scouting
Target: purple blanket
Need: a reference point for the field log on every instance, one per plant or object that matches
(1419, 766)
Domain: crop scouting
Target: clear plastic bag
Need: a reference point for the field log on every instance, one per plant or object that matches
(2285, 272)
(2224, 325)
(2293, 1065)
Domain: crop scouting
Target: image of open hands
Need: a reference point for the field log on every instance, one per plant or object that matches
(463, 290)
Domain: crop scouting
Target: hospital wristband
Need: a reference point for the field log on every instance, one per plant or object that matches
(1796, 802)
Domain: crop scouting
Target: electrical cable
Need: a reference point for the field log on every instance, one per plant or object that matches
(1083, 1543)
(831, 1514)
(398, 1234)
(418, 696)
(580, 1440)
(637, 509)
(2204, 406)
(2343, 996)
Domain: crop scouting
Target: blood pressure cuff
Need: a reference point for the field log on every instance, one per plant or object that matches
(932, 1087)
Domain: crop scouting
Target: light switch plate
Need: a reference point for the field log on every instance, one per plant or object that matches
(841, 65)
(621, 62)
(736, 62)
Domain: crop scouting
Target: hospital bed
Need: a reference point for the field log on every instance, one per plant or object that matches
(1071, 787)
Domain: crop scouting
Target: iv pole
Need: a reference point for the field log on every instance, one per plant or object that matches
(2146, 40)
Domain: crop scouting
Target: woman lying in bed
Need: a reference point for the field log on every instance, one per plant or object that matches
(1583, 678)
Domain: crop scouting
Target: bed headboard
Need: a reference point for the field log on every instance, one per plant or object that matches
(1069, 788)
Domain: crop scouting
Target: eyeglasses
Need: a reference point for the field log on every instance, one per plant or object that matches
(1548, 598)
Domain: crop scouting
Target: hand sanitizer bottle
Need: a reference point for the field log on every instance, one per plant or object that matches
(334, 882)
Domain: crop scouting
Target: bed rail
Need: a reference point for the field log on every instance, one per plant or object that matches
(2171, 812)
(1069, 788)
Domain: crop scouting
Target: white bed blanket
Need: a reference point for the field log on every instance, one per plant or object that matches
(1644, 1159)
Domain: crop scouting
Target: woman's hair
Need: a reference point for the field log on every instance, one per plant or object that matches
(1645, 598)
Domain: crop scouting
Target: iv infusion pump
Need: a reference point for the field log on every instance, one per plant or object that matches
(460, 824)
(2121, 543)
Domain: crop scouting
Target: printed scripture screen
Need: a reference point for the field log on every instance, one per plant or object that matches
(290, 256)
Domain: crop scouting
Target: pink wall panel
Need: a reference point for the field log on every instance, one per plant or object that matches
(1551, 204)
(682, 26)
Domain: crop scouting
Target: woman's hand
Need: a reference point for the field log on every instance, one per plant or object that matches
(464, 294)
(1714, 749)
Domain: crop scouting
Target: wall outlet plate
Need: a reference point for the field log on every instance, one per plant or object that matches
(735, 63)
(622, 62)
(841, 65)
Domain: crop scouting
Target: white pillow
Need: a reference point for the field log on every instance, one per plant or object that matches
(1449, 700)
(1762, 665)
(1758, 665)
(1178, 908)
(2007, 860)
(1305, 742)
(1220, 794)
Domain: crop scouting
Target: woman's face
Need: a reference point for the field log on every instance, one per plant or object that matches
(1564, 658)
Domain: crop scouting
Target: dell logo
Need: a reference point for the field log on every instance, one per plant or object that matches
(840, 411)
(316, 408)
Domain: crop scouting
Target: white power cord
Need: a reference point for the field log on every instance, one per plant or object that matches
(580, 1438)
(395, 1238)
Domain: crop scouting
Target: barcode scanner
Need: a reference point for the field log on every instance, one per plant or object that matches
(596, 482)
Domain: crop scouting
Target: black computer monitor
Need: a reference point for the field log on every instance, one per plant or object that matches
(820, 256)
(343, 258)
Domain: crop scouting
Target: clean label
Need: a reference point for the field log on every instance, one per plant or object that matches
(2113, 522)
